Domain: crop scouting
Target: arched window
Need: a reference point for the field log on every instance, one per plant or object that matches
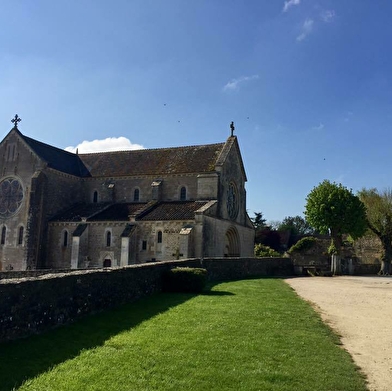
(183, 193)
(159, 237)
(65, 238)
(108, 239)
(136, 195)
(3, 234)
(95, 197)
(20, 235)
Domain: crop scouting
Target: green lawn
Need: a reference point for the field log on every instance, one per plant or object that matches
(244, 335)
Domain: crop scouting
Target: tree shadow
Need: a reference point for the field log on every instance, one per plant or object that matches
(26, 358)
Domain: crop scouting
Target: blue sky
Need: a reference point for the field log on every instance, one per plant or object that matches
(306, 82)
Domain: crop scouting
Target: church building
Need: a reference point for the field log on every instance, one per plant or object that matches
(62, 210)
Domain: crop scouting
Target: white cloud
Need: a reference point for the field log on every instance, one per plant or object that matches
(105, 145)
(233, 84)
(306, 29)
(328, 16)
(288, 4)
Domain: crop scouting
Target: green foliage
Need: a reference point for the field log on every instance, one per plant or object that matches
(185, 279)
(304, 244)
(258, 221)
(264, 251)
(332, 249)
(296, 225)
(332, 208)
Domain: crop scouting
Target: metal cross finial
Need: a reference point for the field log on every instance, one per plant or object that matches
(15, 121)
(232, 128)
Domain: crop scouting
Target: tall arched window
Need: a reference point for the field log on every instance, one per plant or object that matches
(136, 195)
(3, 234)
(108, 239)
(159, 237)
(65, 238)
(20, 235)
(183, 193)
(95, 197)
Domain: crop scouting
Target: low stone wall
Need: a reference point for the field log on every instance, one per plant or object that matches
(34, 304)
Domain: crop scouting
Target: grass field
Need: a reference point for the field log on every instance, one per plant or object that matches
(243, 335)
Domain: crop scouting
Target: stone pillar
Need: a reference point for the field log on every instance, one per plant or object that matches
(75, 252)
(124, 251)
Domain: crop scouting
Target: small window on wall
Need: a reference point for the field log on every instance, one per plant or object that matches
(20, 235)
(108, 239)
(159, 237)
(183, 193)
(3, 234)
(144, 245)
(136, 195)
(65, 238)
(95, 197)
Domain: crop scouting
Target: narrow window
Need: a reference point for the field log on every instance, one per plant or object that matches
(20, 235)
(108, 239)
(65, 239)
(95, 197)
(144, 245)
(3, 233)
(136, 194)
(183, 193)
(159, 237)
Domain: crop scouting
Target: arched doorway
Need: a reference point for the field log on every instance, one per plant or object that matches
(107, 262)
(232, 243)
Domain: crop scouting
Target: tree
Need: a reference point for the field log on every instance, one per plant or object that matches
(379, 216)
(296, 225)
(334, 209)
(258, 221)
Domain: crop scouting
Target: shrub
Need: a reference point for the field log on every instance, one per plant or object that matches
(264, 251)
(185, 279)
(304, 244)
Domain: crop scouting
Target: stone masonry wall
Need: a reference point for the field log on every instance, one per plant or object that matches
(33, 305)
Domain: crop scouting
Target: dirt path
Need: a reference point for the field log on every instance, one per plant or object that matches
(359, 309)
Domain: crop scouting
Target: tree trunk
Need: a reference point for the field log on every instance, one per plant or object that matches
(336, 264)
(386, 257)
(385, 268)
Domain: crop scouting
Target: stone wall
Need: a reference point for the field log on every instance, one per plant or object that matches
(34, 304)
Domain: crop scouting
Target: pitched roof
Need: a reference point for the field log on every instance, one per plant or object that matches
(57, 158)
(175, 210)
(178, 160)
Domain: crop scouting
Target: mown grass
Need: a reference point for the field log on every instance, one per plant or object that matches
(244, 335)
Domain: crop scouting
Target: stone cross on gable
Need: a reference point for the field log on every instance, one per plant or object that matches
(15, 121)
(232, 128)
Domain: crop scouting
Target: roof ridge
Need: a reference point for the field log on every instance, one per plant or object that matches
(152, 149)
(48, 145)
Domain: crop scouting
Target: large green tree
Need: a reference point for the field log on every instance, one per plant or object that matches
(334, 209)
(379, 215)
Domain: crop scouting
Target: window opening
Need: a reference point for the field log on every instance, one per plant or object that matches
(159, 237)
(183, 193)
(144, 245)
(3, 233)
(136, 195)
(95, 197)
(20, 235)
(108, 239)
(65, 239)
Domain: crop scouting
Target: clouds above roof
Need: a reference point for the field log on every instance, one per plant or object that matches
(105, 145)
(288, 4)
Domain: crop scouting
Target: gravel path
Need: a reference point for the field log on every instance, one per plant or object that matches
(357, 308)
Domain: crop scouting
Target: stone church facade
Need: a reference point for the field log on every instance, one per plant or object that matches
(64, 210)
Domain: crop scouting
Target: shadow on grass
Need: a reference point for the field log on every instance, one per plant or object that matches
(24, 359)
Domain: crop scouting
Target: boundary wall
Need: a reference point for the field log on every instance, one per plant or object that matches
(31, 305)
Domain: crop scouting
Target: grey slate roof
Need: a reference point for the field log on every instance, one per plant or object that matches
(178, 160)
(174, 210)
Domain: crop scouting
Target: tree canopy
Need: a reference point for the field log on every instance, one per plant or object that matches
(297, 225)
(334, 209)
(379, 216)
